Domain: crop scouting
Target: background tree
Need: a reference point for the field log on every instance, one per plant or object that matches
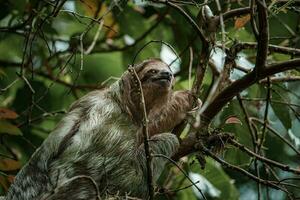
(242, 61)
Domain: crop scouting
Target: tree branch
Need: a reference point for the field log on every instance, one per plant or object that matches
(187, 145)
(263, 37)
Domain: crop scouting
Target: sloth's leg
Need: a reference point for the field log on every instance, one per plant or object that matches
(165, 144)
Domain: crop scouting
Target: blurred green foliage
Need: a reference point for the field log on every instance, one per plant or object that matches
(56, 72)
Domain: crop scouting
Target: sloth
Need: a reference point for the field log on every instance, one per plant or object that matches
(97, 148)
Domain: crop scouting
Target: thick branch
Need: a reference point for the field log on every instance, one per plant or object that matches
(272, 48)
(187, 145)
(236, 87)
(236, 12)
(263, 37)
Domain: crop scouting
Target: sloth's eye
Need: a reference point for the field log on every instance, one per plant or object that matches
(153, 71)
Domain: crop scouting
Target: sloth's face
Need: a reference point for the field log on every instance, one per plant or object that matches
(156, 75)
(157, 81)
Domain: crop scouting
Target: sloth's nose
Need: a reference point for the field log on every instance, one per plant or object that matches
(166, 74)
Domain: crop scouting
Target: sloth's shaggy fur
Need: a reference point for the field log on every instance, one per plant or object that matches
(100, 140)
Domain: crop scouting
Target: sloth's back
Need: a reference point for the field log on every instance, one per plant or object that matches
(95, 148)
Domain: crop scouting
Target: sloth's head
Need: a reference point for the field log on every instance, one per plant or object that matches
(155, 76)
(157, 80)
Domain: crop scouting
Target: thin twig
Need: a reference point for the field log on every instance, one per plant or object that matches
(145, 134)
(182, 171)
(262, 139)
(190, 66)
(277, 134)
(264, 159)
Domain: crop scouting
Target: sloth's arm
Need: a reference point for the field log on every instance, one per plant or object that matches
(172, 113)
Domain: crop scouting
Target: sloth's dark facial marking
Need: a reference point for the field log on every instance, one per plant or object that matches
(157, 74)
(163, 77)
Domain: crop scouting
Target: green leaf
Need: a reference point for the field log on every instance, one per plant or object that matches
(294, 138)
(241, 34)
(99, 67)
(281, 111)
(8, 128)
(22, 100)
(5, 9)
(214, 173)
(130, 22)
(240, 131)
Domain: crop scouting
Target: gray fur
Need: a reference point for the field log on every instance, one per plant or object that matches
(97, 139)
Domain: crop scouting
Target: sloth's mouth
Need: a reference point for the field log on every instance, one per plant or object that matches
(163, 78)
